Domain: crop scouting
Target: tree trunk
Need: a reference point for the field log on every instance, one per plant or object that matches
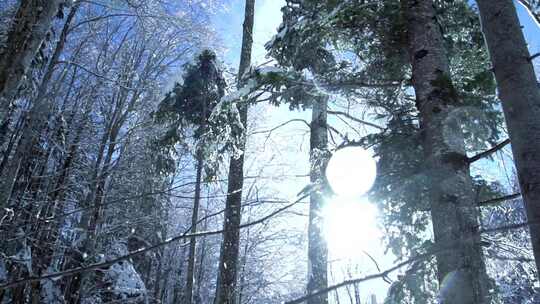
(32, 22)
(460, 263)
(228, 265)
(520, 96)
(188, 295)
(201, 272)
(317, 248)
(36, 119)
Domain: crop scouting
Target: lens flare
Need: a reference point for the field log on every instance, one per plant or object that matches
(351, 171)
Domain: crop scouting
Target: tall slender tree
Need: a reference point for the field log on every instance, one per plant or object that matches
(317, 248)
(228, 264)
(520, 96)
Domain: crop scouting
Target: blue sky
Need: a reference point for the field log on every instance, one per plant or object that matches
(530, 28)
(228, 23)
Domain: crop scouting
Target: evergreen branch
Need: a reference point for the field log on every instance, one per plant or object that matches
(533, 57)
(489, 152)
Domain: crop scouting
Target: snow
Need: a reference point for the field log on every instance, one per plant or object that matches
(264, 71)
(24, 256)
(125, 280)
(51, 293)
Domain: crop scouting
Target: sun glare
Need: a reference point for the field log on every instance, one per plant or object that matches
(351, 171)
(350, 226)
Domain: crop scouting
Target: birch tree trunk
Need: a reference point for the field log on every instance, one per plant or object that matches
(317, 248)
(32, 22)
(228, 265)
(520, 96)
(460, 262)
(188, 295)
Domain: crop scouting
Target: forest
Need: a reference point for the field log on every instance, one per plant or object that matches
(270, 151)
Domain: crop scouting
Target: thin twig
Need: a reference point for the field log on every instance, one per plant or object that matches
(349, 116)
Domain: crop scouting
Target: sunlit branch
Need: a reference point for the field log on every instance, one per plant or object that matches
(420, 257)
(385, 278)
(382, 274)
(185, 235)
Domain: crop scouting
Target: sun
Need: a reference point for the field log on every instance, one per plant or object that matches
(350, 227)
(351, 171)
(350, 220)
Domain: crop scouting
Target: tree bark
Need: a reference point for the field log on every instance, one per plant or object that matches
(228, 265)
(317, 248)
(520, 96)
(188, 295)
(461, 272)
(32, 22)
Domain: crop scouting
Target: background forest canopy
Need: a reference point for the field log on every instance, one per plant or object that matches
(270, 151)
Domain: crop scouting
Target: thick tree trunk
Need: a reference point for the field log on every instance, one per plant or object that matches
(317, 248)
(188, 294)
(460, 263)
(520, 96)
(228, 265)
(32, 22)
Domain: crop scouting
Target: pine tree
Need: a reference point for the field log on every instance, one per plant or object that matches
(193, 101)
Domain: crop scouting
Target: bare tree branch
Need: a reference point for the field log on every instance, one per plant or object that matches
(497, 200)
(382, 274)
(490, 151)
